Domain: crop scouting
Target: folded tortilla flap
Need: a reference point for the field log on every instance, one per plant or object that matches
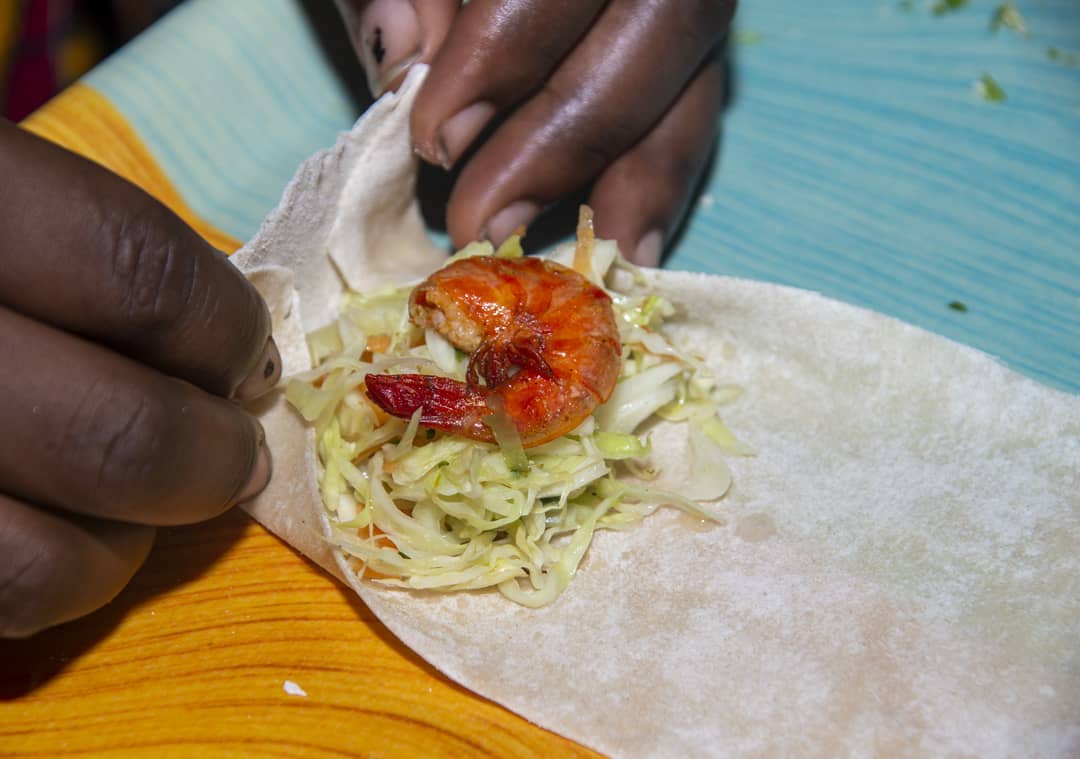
(350, 212)
(900, 570)
(290, 506)
(348, 217)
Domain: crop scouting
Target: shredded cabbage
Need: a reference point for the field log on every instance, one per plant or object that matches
(423, 509)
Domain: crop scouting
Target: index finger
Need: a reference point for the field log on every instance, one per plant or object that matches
(85, 251)
(606, 94)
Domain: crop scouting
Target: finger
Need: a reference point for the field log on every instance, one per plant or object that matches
(84, 250)
(57, 568)
(496, 53)
(90, 431)
(389, 36)
(640, 199)
(607, 94)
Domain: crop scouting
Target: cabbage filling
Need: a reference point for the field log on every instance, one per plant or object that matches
(421, 509)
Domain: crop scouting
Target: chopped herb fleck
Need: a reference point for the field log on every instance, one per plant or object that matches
(957, 305)
(1008, 15)
(430, 434)
(1057, 56)
(747, 37)
(941, 7)
(989, 90)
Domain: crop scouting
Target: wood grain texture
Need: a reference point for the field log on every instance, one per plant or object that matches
(193, 657)
(855, 161)
(858, 161)
(856, 158)
(85, 122)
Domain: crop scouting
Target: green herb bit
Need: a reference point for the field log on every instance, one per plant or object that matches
(941, 7)
(747, 37)
(1008, 15)
(957, 305)
(989, 90)
(1066, 59)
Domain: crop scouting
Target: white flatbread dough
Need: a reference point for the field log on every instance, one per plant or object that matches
(900, 572)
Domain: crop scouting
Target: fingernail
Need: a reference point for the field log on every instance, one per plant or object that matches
(647, 252)
(507, 221)
(389, 41)
(460, 130)
(260, 474)
(264, 376)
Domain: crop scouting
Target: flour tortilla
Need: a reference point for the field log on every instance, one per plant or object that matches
(899, 574)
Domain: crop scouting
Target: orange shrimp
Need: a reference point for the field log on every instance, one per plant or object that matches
(543, 342)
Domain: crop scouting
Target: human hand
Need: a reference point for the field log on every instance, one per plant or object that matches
(126, 340)
(624, 94)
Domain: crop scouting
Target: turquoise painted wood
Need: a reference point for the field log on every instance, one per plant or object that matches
(230, 97)
(858, 161)
(857, 158)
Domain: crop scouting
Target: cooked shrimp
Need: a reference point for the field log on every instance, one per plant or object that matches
(543, 342)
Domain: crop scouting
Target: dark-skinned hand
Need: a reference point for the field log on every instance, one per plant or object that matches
(622, 95)
(127, 342)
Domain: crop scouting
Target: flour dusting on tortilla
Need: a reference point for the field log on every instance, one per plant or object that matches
(901, 572)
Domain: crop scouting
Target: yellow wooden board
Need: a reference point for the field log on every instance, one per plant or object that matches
(227, 642)
(199, 655)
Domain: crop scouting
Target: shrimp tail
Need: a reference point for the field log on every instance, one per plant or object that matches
(446, 404)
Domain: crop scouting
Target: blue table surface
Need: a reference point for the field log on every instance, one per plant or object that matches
(857, 158)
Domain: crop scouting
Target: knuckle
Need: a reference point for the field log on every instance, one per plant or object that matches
(597, 149)
(587, 141)
(125, 435)
(132, 449)
(151, 277)
(675, 170)
(545, 53)
(168, 298)
(28, 569)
